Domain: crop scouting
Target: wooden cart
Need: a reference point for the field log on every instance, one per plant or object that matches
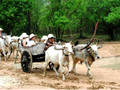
(29, 55)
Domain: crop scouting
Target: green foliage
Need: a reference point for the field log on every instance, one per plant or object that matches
(61, 21)
(113, 16)
(14, 14)
(107, 12)
(60, 17)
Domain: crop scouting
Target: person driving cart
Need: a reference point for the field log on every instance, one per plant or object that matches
(50, 41)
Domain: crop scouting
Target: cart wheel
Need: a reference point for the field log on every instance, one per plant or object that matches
(26, 61)
(51, 65)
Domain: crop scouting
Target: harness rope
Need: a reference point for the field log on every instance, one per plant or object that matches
(64, 53)
(5, 44)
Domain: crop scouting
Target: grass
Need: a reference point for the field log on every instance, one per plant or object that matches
(115, 66)
(86, 37)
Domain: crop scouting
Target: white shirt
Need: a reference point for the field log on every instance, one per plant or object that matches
(31, 43)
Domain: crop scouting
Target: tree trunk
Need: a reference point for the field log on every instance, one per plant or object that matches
(81, 34)
(62, 34)
(29, 22)
(59, 31)
(110, 32)
(8, 29)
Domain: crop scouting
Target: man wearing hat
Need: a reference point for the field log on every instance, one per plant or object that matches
(24, 41)
(50, 41)
(44, 39)
(31, 40)
(1, 34)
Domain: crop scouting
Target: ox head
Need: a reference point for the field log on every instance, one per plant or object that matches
(93, 50)
(8, 39)
(67, 48)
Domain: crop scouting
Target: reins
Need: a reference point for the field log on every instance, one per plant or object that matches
(64, 53)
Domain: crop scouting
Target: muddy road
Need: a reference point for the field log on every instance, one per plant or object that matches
(105, 72)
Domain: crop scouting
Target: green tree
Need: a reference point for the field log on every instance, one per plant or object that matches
(60, 14)
(14, 15)
(107, 11)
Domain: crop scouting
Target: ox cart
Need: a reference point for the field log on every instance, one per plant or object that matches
(32, 54)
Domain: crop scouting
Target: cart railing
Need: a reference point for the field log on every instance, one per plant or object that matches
(35, 50)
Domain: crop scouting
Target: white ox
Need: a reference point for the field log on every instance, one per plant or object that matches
(58, 57)
(14, 45)
(87, 55)
(5, 45)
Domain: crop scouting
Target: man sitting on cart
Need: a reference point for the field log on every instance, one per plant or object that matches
(24, 41)
(31, 40)
(2, 35)
(50, 41)
(1, 32)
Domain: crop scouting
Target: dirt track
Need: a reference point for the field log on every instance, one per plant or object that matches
(105, 72)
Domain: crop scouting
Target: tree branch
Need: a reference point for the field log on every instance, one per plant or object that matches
(74, 10)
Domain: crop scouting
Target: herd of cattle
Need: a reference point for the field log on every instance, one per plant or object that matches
(58, 54)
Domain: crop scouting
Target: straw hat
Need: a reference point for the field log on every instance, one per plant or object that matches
(51, 36)
(1, 29)
(24, 35)
(32, 35)
(44, 37)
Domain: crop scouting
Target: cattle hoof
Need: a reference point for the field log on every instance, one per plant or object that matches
(75, 73)
(90, 77)
(57, 75)
(67, 74)
(44, 75)
(71, 71)
(8, 56)
(5, 59)
(14, 58)
(63, 79)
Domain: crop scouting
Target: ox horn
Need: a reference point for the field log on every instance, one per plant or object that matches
(92, 37)
(99, 44)
(10, 33)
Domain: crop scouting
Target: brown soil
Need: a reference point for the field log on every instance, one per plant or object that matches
(105, 72)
